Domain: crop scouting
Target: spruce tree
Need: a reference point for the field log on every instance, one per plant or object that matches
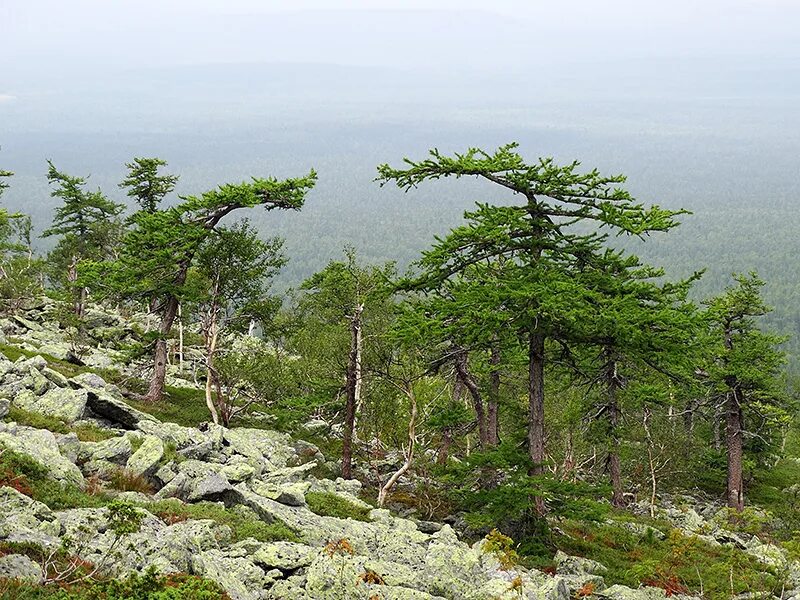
(145, 185)
(744, 374)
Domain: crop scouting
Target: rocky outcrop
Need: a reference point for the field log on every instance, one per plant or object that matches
(267, 475)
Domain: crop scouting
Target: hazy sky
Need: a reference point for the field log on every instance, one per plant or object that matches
(47, 36)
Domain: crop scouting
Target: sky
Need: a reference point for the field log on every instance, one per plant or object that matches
(41, 37)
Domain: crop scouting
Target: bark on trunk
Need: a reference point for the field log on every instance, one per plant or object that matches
(536, 401)
(156, 389)
(733, 435)
(412, 440)
(536, 410)
(353, 386)
(614, 467)
(492, 424)
(444, 447)
(462, 369)
(211, 346)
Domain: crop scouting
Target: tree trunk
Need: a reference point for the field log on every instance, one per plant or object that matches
(156, 389)
(211, 346)
(536, 401)
(412, 440)
(492, 424)
(180, 341)
(536, 410)
(353, 386)
(462, 369)
(733, 436)
(613, 413)
(444, 446)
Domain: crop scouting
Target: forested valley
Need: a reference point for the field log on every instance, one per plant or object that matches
(527, 377)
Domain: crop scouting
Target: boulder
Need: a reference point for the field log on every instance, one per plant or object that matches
(238, 576)
(116, 450)
(146, 459)
(5, 405)
(63, 403)
(41, 446)
(20, 567)
(196, 481)
(26, 520)
(105, 400)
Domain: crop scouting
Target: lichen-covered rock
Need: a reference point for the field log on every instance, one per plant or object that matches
(292, 494)
(575, 565)
(69, 445)
(239, 577)
(5, 405)
(272, 447)
(23, 519)
(116, 450)
(182, 437)
(63, 403)
(41, 446)
(105, 400)
(196, 481)
(286, 556)
(237, 471)
(20, 567)
(146, 459)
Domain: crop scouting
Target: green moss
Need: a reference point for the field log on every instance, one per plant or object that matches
(333, 505)
(32, 419)
(184, 406)
(243, 525)
(86, 432)
(29, 477)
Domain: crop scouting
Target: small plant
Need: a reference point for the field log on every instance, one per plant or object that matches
(340, 547)
(502, 548)
(370, 577)
(126, 481)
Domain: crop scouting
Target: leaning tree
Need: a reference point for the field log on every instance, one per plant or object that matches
(162, 246)
(541, 233)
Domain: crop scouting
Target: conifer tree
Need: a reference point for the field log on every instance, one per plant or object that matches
(145, 185)
(161, 247)
(536, 235)
(744, 374)
(88, 225)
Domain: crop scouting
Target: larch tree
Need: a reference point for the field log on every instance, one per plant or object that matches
(89, 227)
(744, 372)
(635, 324)
(539, 234)
(146, 185)
(161, 247)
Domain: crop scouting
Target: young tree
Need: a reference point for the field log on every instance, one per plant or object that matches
(346, 292)
(145, 185)
(232, 276)
(744, 373)
(161, 247)
(536, 236)
(637, 325)
(88, 225)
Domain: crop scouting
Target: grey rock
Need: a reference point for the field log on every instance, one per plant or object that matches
(20, 567)
(105, 400)
(146, 459)
(63, 403)
(5, 404)
(41, 446)
(116, 450)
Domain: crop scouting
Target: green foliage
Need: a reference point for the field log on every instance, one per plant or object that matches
(678, 563)
(145, 185)
(244, 524)
(332, 505)
(86, 432)
(147, 586)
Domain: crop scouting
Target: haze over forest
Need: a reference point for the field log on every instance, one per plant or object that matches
(696, 105)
